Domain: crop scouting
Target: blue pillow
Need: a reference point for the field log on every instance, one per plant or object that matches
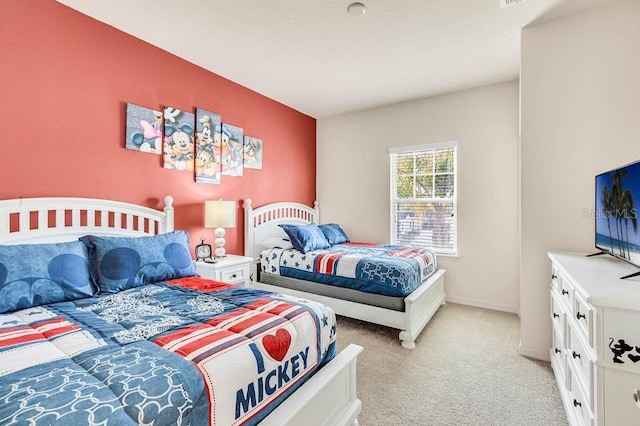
(305, 238)
(119, 263)
(37, 274)
(334, 233)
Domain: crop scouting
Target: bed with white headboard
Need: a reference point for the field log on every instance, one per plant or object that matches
(328, 396)
(262, 224)
(57, 219)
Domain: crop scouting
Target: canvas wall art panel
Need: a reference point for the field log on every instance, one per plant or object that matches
(178, 139)
(207, 161)
(231, 148)
(143, 129)
(252, 153)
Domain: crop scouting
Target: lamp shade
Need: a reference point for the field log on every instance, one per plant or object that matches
(220, 214)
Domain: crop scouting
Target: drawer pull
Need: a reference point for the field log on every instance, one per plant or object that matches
(576, 403)
(556, 315)
(554, 276)
(579, 315)
(636, 397)
(557, 350)
(234, 275)
(576, 355)
(564, 291)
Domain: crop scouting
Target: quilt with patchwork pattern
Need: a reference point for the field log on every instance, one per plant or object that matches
(386, 269)
(165, 353)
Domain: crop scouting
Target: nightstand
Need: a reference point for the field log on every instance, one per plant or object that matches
(232, 269)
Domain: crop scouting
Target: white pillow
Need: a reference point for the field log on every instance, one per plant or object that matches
(277, 242)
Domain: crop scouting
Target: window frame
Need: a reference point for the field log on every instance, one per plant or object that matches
(394, 200)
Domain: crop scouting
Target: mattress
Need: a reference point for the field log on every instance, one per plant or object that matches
(387, 270)
(165, 353)
(342, 293)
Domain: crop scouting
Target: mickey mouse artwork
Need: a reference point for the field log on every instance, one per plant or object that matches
(207, 161)
(198, 142)
(178, 139)
(622, 347)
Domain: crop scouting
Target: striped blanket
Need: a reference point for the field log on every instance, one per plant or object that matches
(385, 269)
(163, 353)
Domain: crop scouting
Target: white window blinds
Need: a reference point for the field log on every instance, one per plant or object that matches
(423, 196)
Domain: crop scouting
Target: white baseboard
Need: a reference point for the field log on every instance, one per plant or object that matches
(483, 304)
(533, 353)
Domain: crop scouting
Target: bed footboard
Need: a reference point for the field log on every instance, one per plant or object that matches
(329, 395)
(420, 306)
(262, 223)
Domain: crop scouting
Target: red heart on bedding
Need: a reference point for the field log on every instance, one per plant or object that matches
(277, 345)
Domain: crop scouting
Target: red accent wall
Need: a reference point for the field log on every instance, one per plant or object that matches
(65, 79)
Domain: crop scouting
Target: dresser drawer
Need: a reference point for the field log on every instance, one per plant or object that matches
(565, 289)
(555, 283)
(558, 316)
(583, 314)
(579, 356)
(579, 403)
(559, 357)
(621, 394)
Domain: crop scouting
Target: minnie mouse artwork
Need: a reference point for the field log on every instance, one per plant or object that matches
(144, 129)
(198, 142)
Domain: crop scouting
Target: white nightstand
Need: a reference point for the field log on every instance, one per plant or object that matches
(232, 269)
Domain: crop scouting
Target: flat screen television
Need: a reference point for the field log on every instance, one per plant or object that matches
(617, 233)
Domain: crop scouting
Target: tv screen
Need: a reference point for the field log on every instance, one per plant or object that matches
(617, 192)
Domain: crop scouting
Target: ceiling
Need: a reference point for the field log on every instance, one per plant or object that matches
(315, 57)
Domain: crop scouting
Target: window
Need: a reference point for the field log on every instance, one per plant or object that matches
(423, 196)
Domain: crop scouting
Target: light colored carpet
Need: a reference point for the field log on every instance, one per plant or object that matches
(465, 370)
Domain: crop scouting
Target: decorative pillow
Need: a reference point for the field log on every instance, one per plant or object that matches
(119, 263)
(306, 238)
(277, 242)
(37, 274)
(334, 233)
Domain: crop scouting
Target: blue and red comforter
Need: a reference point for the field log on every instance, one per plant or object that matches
(386, 269)
(160, 354)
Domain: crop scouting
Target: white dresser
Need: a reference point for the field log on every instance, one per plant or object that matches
(596, 338)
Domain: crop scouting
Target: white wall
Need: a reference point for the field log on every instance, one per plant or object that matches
(580, 100)
(353, 181)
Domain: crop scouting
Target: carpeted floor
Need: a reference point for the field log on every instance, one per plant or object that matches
(465, 370)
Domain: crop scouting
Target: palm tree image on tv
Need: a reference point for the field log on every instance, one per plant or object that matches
(616, 216)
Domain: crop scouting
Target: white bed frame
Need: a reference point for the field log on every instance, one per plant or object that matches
(328, 397)
(420, 306)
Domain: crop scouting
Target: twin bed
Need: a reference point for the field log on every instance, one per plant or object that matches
(116, 328)
(395, 286)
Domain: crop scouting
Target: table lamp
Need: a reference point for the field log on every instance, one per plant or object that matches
(220, 214)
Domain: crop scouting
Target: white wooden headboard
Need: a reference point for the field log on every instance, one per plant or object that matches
(53, 219)
(261, 223)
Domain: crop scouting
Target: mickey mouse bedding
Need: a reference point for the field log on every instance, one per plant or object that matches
(157, 345)
(386, 269)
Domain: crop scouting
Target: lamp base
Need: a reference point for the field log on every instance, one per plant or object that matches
(220, 252)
